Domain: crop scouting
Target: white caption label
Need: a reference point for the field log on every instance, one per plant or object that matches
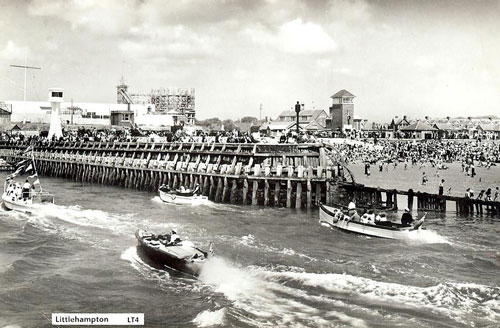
(98, 319)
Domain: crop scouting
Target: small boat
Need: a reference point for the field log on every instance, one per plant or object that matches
(182, 256)
(334, 217)
(25, 197)
(15, 201)
(182, 196)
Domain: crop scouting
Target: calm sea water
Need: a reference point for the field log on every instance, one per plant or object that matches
(275, 267)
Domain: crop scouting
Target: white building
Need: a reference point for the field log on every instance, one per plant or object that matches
(91, 113)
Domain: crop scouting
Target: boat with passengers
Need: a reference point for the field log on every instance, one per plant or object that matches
(25, 196)
(170, 251)
(182, 196)
(335, 217)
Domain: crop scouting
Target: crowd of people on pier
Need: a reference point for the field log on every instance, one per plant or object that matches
(383, 152)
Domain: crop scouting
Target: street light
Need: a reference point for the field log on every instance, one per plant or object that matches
(297, 111)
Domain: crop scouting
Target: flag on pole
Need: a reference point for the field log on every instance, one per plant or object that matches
(36, 182)
(23, 167)
(18, 171)
(22, 163)
(29, 168)
(27, 150)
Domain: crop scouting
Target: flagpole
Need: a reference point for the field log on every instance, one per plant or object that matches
(34, 166)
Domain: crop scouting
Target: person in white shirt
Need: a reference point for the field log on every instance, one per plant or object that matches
(174, 237)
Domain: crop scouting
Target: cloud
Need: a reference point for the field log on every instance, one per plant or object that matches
(169, 42)
(295, 37)
(424, 63)
(349, 11)
(12, 51)
(109, 17)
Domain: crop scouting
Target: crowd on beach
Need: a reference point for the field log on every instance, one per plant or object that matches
(434, 152)
(429, 155)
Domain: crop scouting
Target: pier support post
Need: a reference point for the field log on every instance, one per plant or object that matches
(254, 192)
(298, 195)
(245, 191)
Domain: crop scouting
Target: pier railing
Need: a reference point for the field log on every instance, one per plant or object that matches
(388, 199)
(291, 175)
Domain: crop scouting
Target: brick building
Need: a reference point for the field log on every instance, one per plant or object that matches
(342, 111)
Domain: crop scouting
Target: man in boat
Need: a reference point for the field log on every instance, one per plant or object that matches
(197, 189)
(406, 219)
(174, 237)
(353, 214)
(26, 190)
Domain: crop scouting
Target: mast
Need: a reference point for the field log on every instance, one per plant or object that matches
(26, 67)
(34, 166)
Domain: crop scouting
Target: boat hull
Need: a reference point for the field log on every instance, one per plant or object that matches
(333, 217)
(166, 256)
(26, 206)
(172, 198)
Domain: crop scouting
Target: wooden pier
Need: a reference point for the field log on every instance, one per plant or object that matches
(388, 199)
(284, 175)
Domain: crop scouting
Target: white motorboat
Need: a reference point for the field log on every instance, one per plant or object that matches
(25, 197)
(334, 217)
(181, 197)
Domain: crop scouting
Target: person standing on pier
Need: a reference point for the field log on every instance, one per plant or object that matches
(496, 195)
(441, 187)
(469, 193)
(487, 195)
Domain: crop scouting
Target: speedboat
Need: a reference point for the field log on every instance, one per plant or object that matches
(334, 217)
(182, 256)
(181, 196)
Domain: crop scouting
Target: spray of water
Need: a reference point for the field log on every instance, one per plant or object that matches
(268, 303)
(209, 318)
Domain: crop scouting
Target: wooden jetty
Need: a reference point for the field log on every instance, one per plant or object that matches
(291, 175)
(388, 199)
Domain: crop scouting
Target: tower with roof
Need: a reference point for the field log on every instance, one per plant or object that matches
(342, 111)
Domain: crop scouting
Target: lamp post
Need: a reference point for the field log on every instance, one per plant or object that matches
(297, 111)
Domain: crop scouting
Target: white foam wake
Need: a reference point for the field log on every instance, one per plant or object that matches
(457, 301)
(269, 302)
(79, 216)
(428, 237)
(209, 318)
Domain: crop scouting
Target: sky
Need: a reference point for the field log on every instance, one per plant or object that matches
(416, 58)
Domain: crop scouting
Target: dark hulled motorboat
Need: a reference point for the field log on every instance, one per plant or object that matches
(182, 256)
